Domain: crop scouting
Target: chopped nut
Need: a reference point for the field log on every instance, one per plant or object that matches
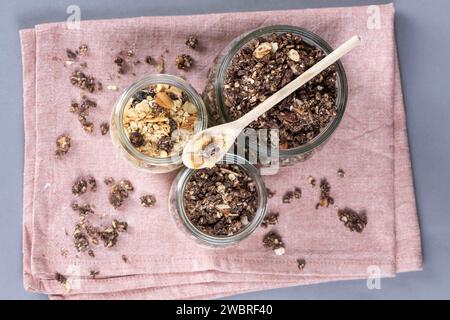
(163, 100)
(191, 42)
(262, 50)
(112, 88)
(104, 128)
(293, 55)
(62, 145)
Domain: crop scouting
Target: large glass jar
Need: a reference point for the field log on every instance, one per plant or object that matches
(214, 90)
(122, 141)
(178, 212)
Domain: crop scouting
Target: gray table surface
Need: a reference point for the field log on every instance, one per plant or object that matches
(422, 29)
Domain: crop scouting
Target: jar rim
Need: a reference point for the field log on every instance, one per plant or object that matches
(310, 38)
(119, 108)
(184, 176)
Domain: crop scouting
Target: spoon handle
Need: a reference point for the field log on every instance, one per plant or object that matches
(299, 81)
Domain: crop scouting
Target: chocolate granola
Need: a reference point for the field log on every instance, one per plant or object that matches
(191, 42)
(220, 201)
(270, 219)
(325, 198)
(183, 61)
(265, 65)
(62, 146)
(273, 241)
(353, 220)
(119, 192)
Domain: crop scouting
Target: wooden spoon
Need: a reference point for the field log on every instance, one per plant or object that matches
(206, 148)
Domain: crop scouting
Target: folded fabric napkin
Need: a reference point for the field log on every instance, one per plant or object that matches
(162, 263)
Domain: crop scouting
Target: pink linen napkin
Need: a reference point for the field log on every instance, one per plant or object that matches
(370, 145)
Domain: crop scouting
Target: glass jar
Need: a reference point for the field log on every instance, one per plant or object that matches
(121, 140)
(177, 211)
(214, 99)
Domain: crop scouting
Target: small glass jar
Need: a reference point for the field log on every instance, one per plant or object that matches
(214, 99)
(121, 140)
(177, 211)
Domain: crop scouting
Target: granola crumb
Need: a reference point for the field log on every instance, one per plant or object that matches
(94, 273)
(124, 258)
(119, 192)
(273, 241)
(270, 193)
(92, 183)
(91, 253)
(112, 88)
(270, 219)
(122, 66)
(160, 65)
(83, 81)
(183, 62)
(63, 281)
(62, 145)
(148, 60)
(301, 263)
(288, 196)
(82, 210)
(353, 220)
(83, 49)
(325, 198)
(80, 186)
(71, 54)
(341, 173)
(148, 200)
(312, 181)
(191, 42)
(108, 181)
(104, 128)
(297, 193)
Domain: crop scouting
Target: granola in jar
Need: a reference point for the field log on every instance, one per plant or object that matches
(159, 119)
(257, 64)
(154, 118)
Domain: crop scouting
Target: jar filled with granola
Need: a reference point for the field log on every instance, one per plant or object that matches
(153, 119)
(219, 206)
(258, 64)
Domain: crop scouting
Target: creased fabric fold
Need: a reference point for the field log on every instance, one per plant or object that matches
(371, 145)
